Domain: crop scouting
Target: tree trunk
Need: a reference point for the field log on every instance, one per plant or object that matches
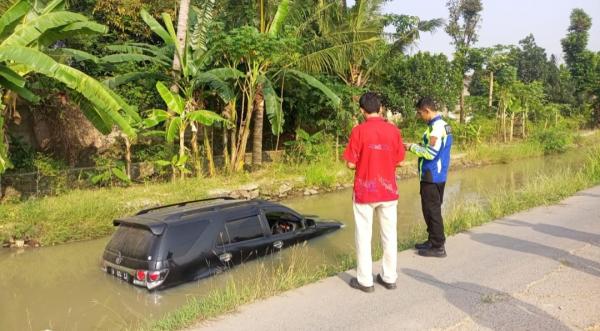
(337, 147)
(212, 171)
(524, 123)
(127, 156)
(512, 126)
(182, 27)
(257, 135)
(462, 101)
(181, 150)
(195, 150)
(491, 91)
(504, 123)
(244, 134)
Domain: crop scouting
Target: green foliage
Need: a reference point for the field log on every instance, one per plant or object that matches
(531, 61)
(25, 35)
(123, 15)
(553, 140)
(580, 61)
(320, 174)
(404, 80)
(111, 172)
(22, 154)
(307, 147)
(50, 173)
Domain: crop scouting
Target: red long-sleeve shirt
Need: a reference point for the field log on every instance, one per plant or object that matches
(376, 148)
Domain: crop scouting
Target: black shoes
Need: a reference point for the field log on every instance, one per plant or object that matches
(423, 245)
(433, 252)
(355, 284)
(389, 286)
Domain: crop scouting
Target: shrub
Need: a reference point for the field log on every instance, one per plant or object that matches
(309, 148)
(553, 140)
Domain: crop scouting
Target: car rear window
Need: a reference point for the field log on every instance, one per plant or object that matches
(184, 235)
(132, 242)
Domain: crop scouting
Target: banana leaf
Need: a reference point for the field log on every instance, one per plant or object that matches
(90, 88)
(173, 129)
(12, 16)
(312, 81)
(173, 101)
(205, 117)
(12, 76)
(30, 31)
(273, 108)
(156, 27)
(21, 91)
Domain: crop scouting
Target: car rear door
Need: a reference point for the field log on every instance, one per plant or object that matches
(241, 239)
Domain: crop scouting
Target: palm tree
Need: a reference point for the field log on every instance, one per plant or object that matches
(349, 43)
(26, 32)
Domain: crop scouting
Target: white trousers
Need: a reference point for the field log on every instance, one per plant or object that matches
(363, 217)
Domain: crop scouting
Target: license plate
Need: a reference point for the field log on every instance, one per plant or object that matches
(118, 273)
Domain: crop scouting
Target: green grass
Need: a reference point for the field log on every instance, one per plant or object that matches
(87, 214)
(543, 190)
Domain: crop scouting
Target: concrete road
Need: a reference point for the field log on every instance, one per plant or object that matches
(536, 270)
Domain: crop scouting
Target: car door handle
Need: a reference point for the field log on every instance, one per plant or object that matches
(225, 257)
(278, 244)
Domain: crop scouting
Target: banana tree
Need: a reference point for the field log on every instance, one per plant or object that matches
(262, 53)
(26, 32)
(184, 113)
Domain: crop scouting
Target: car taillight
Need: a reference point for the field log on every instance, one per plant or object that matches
(141, 275)
(153, 276)
(150, 279)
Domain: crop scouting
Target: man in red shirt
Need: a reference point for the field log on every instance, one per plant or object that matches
(374, 150)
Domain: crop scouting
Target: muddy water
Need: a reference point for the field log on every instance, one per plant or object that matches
(63, 288)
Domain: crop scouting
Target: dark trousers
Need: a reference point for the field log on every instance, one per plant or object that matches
(432, 197)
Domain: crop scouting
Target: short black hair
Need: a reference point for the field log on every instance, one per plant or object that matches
(426, 102)
(370, 102)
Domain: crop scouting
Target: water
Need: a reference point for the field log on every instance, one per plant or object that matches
(63, 288)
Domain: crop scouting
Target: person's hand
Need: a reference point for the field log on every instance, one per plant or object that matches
(407, 146)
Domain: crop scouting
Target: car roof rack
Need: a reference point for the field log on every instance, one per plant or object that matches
(181, 204)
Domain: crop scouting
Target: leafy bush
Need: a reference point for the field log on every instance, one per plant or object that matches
(309, 148)
(22, 155)
(553, 140)
(51, 176)
(109, 171)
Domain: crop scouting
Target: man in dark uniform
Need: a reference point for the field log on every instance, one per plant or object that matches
(434, 160)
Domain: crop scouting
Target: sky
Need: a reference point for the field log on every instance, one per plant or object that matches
(505, 22)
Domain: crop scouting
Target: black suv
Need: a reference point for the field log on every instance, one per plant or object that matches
(165, 246)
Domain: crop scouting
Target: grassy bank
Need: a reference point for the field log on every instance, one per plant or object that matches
(543, 190)
(88, 214)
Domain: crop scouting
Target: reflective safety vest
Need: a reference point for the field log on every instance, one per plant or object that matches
(434, 154)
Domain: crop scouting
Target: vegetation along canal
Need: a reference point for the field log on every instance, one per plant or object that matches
(63, 288)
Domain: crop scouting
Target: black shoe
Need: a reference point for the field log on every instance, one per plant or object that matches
(355, 284)
(389, 286)
(433, 252)
(423, 245)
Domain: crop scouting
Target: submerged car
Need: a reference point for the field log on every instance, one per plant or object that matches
(169, 245)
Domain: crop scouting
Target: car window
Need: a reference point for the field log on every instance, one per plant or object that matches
(282, 221)
(278, 215)
(244, 229)
(183, 235)
(133, 242)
